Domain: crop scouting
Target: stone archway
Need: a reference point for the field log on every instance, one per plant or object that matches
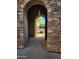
(32, 14)
(29, 16)
(54, 23)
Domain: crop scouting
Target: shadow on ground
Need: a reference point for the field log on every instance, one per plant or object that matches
(35, 50)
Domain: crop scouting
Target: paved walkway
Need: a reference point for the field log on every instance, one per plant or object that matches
(35, 50)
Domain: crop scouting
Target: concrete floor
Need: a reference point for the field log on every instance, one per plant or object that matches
(35, 50)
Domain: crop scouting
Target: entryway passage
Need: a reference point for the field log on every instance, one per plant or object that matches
(37, 21)
(35, 50)
(40, 26)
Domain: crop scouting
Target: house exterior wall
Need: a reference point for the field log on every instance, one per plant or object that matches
(53, 24)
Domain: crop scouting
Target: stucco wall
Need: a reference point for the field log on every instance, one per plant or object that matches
(53, 25)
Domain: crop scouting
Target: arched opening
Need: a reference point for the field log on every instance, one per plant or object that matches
(37, 21)
(30, 15)
(40, 26)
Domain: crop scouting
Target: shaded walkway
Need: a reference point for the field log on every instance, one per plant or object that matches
(35, 50)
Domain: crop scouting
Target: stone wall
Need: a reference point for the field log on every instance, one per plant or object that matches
(53, 25)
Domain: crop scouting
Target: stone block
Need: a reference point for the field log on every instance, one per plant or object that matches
(49, 20)
(20, 46)
(59, 3)
(55, 18)
(49, 10)
(49, 31)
